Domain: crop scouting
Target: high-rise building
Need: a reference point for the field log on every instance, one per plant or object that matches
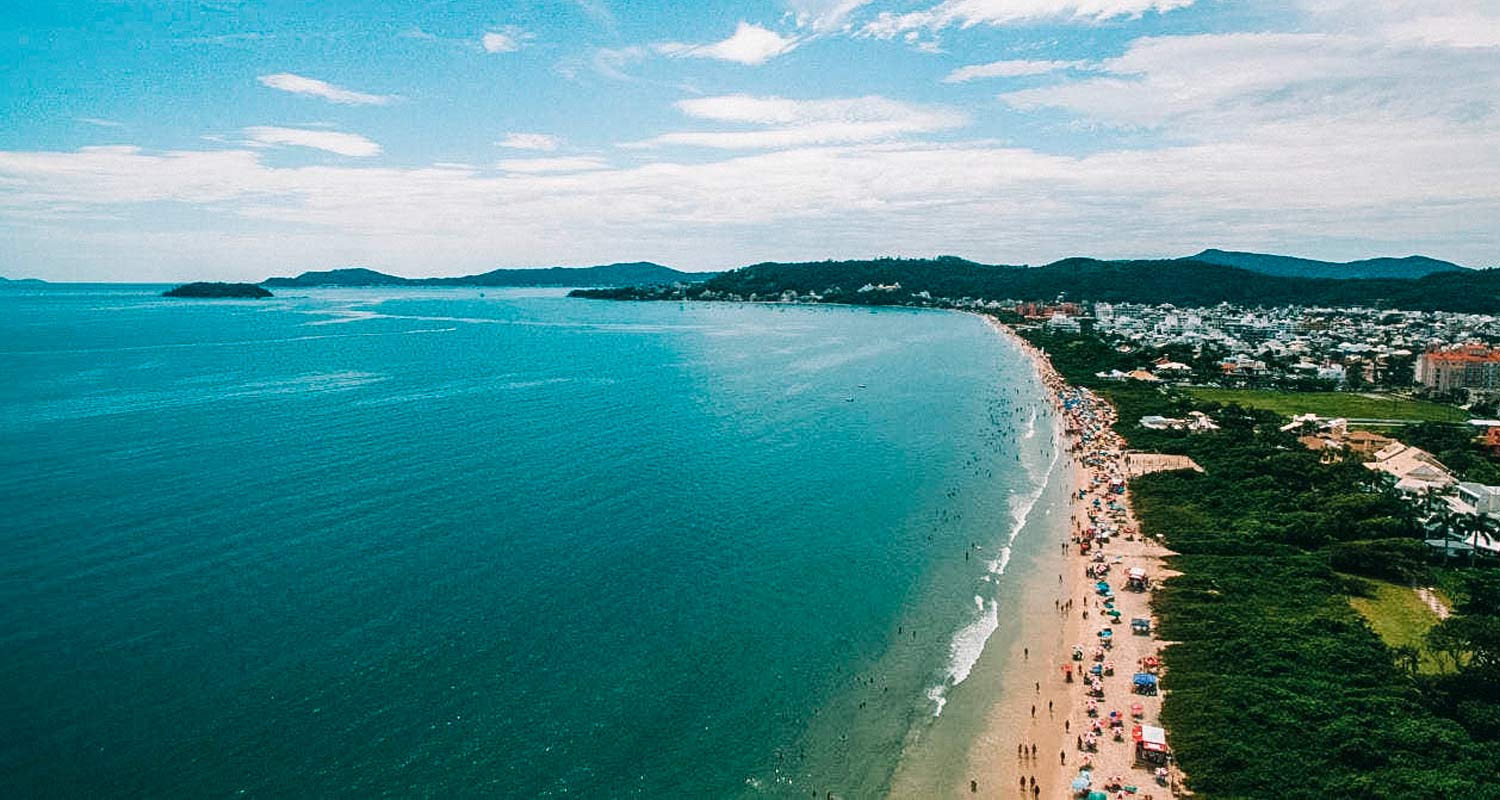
(1467, 367)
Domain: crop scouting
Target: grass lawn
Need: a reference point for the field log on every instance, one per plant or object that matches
(1332, 404)
(1400, 617)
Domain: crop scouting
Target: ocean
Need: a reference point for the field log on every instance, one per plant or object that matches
(445, 542)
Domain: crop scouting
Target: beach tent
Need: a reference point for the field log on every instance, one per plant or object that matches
(1136, 579)
(1150, 745)
(1140, 625)
(1082, 782)
(1144, 683)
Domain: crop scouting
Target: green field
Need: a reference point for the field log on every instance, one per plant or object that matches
(1332, 404)
(1399, 617)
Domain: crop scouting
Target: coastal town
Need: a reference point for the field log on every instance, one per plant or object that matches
(1103, 704)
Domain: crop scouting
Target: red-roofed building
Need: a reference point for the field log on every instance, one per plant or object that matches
(1468, 367)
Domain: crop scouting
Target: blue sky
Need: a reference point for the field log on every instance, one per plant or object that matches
(237, 139)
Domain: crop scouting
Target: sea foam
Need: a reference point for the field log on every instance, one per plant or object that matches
(968, 642)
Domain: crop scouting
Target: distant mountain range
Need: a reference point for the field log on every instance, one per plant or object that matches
(636, 273)
(1183, 282)
(21, 281)
(1290, 267)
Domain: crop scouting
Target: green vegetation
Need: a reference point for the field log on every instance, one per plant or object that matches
(1332, 404)
(1278, 687)
(1184, 282)
(1401, 619)
(217, 291)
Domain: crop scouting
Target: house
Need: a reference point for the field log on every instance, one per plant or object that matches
(1168, 368)
(1477, 498)
(1199, 422)
(1367, 442)
(1414, 469)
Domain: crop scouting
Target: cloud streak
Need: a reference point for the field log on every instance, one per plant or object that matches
(1008, 69)
(969, 13)
(779, 122)
(312, 87)
(344, 144)
(750, 45)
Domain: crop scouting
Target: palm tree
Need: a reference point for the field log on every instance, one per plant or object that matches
(1484, 528)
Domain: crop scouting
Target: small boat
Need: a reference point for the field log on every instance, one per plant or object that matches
(861, 386)
(848, 399)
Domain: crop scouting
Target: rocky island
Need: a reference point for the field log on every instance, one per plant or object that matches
(217, 290)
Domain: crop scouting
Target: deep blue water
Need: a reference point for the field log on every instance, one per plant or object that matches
(428, 543)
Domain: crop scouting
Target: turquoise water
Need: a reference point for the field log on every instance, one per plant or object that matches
(432, 543)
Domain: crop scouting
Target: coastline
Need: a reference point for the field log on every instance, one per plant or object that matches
(1034, 705)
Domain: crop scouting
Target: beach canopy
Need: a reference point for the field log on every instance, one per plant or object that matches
(1150, 738)
(1098, 796)
(1081, 782)
(1144, 679)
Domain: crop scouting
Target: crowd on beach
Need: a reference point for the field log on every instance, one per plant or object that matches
(1106, 720)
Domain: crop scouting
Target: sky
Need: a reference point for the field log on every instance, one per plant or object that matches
(239, 139)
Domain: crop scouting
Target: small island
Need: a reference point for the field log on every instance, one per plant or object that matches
(218, 290)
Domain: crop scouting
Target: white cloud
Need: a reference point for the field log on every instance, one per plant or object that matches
(541, 165)
(506, 41)
(312, 87)
(529, 141)
(824, 15)
(344, 144)
(1008, 69)
(751, 45)
(781, 122)
(101, 123)
(1210, 85)
(968, 13)
(1420, 187)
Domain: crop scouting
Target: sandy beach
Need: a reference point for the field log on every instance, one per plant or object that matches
(1036, 739)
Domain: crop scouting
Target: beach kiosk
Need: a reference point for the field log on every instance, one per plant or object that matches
(1144, 683)
(1136, 580)
(1151, 745)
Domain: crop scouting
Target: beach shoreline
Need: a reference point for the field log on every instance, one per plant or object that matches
(1035, 708)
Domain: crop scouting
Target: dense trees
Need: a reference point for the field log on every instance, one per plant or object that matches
(1185, 282)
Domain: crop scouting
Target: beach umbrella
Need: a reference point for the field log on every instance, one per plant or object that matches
(1096, 795)
(1081, 782)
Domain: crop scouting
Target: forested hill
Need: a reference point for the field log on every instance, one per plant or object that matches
(1291, 267)
(1185, 282)
(637, 273)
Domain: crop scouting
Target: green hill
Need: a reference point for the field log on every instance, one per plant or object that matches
(1185, 282)
(1409, 267)
(638, 273)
